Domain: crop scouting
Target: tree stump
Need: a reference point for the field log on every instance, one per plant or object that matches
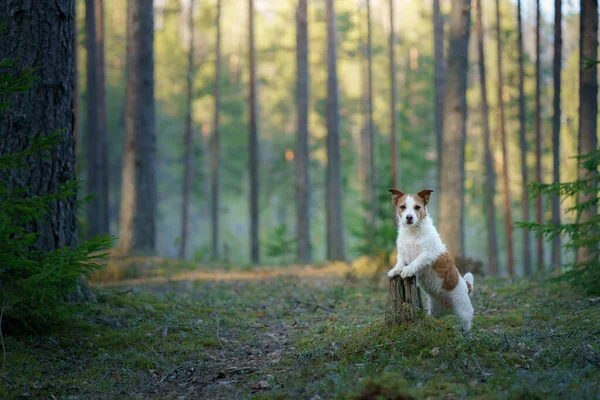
(404, 302)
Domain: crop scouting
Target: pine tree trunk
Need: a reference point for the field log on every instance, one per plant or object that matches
(588, 99)
(187, 163)
(538, 136)
(214, 146)
(523, 145)
(371, 177)
(254, 155)
(335, 223)
(393, 117)
(138, 190)
(454, 128)
(46, 107)
(490, 175)
(76, 136)
(438, 37)
(556, 128)
(503, 138)
(102, 122)
(302, 149)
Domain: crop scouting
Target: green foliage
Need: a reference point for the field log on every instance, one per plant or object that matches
(35, 284)
(281, 245)
(581, 234)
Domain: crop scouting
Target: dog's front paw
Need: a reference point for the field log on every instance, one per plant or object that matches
(393, 272)
(407, 272)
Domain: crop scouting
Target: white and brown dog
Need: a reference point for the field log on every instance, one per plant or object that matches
(421, 252)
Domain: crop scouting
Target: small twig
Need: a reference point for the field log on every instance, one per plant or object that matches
(297, 300)
(2, 339)
(219, 337)
(377, 345)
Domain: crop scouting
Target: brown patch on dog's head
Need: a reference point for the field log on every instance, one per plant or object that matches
(397, 196)
(444, 267)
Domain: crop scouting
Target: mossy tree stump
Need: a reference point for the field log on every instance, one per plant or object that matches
(404, 302)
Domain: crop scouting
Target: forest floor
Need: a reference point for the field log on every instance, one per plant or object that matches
(310, 333)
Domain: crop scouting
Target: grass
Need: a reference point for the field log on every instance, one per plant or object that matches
(301, 335)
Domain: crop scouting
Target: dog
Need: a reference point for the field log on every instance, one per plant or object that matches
(422, 253)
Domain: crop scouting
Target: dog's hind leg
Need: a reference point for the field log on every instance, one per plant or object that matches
(435, 308)
(463, 309)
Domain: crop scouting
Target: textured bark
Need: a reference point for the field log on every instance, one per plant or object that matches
(438, 43)
(302, 150)
(214, 146)
(502, 129)
(75, 94)
(454, 128)
(254, 155)
(538, 137)
(523, 145)
(393, 118)
(588, 98)
(335, 222)
(138, 190)
(371, 177)
(40, 34)
(404, 301)
(490, 174)
(187, 162)
(556, 128)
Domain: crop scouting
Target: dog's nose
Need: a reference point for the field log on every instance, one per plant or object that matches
(409, 218)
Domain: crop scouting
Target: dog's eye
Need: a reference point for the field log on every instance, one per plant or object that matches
(417, 207)
(403, 207)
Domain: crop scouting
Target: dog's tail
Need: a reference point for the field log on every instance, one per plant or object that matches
(469, 279)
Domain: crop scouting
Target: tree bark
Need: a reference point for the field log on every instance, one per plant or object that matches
(556, 128)
(371, 177)
(490, 174)
(254, 149)
(523, 145)
(393, 117)
(40, 35)
(302, 149)
(454, 128)
(138, 190)
(214, 147)
(188, 167)
(503, 138)
(438, 43)
(538, 136)
(335, 222)
(404, 301)
(588, 99)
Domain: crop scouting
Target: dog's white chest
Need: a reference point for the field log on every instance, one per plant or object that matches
(409, 248)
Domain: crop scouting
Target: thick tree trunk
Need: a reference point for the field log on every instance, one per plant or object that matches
(138, 188)
(302, 149)
(438, 43)
(393, 117)
(556, 128)
(588, 98)
(455, 112)
(503, 138)
(490, 174)
(214, 146)
(523, 145)
(40, 35)
(188, 168)
(254, 155)
(335, 222)
(538, 136)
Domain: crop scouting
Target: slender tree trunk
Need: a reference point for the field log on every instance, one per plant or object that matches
(335, 222)
(138, 186)
(538, 136)
(454, 128)
(503, 138)
(372, 183)
(188, 163)
(214, 148)
(254, 156)
(588, 99)
(46, 107)
(438, 43)
(75, 93)
(556, 128)
(393, 117)
(302, 149)
(490, 175)
(523, 144)
(103, 156)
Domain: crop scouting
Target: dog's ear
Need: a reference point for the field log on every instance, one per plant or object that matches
(396, 194)
(425, 195)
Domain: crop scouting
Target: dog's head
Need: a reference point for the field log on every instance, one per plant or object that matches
(411, 208)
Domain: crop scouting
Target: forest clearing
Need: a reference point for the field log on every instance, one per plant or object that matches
(309, 333)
